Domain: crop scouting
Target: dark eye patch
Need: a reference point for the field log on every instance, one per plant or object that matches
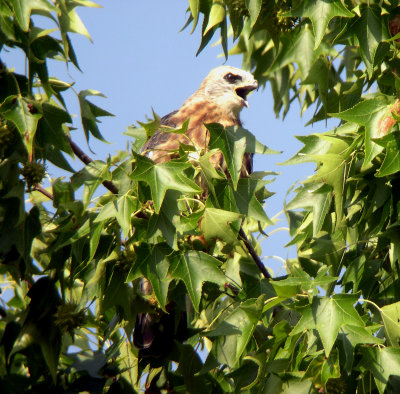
(232, 78)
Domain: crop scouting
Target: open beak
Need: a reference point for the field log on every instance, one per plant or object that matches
(243, 91)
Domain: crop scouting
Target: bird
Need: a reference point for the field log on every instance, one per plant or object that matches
(219, 99)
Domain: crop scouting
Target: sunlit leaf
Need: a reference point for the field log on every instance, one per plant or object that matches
(320, 14)
(382, 362)
(327, 315)
(25, 116)
(391, 162)
(391, 319)
(215, 224)
(162, 177)
(24, 8)
(90, 112)
(195, 268)
(368, 113)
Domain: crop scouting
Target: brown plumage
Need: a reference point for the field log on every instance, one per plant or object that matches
(219, 99)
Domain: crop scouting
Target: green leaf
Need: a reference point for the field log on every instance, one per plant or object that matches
(216, 15)
(194, 268)
(368, 113)
(51, 128)
(254, 8)
(371, 29)
(139, 134)
(382, 362)
(299, 48)
(95, 233)
(117, 293)
(39, 321)
(189, 365)
(313, 144)
(69, 19)
(391, 320)
(90, 113)
(92, 176)
(194, 6)
(332, 167)
(165, 223)
(300, 282)
(23, 10)
(297, 386)
(330, 368)
(108, 211)
(287, 288)
(63, 193)
(162, 177)
(315, 197)
(320, 14)
(152, 125)
(391, 162)
(252, 144)
(247, 202)
(208, 171)
(153, 264)
(24, 115)
(327, 316)
(232, 147)
(228, 349)
(215, 225)
(351, 336)
(126, 206)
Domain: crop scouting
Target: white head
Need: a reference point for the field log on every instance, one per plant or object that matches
(228, 87)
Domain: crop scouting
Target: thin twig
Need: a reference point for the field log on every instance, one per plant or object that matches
(86, 159)
(43, 191)
(254, 255)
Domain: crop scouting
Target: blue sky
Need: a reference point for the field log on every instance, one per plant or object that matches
(140, 60)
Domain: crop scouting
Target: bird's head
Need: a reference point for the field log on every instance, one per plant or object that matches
(228, 87)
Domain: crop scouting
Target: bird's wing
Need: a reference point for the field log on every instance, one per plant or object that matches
(167, 119)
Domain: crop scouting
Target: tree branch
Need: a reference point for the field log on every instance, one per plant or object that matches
(43, 191)
(86, 159)
(254, 255)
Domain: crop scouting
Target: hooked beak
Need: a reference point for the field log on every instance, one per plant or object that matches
(243, 91)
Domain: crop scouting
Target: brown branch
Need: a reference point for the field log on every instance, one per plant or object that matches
(254, 255)
(86, 159)
(43, 191)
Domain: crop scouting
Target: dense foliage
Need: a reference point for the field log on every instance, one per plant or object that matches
(73, 261)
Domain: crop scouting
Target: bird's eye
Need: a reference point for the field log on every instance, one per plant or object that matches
(231, 78)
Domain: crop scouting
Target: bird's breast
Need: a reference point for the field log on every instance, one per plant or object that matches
(201, 113)
(162, 145)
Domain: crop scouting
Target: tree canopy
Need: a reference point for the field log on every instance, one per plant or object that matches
(73, 252)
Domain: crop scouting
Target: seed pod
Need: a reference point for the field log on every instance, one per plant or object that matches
(272, 15)
(67, 318)
(33, 173)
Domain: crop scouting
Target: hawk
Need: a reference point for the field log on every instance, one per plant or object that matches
(219, 99)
